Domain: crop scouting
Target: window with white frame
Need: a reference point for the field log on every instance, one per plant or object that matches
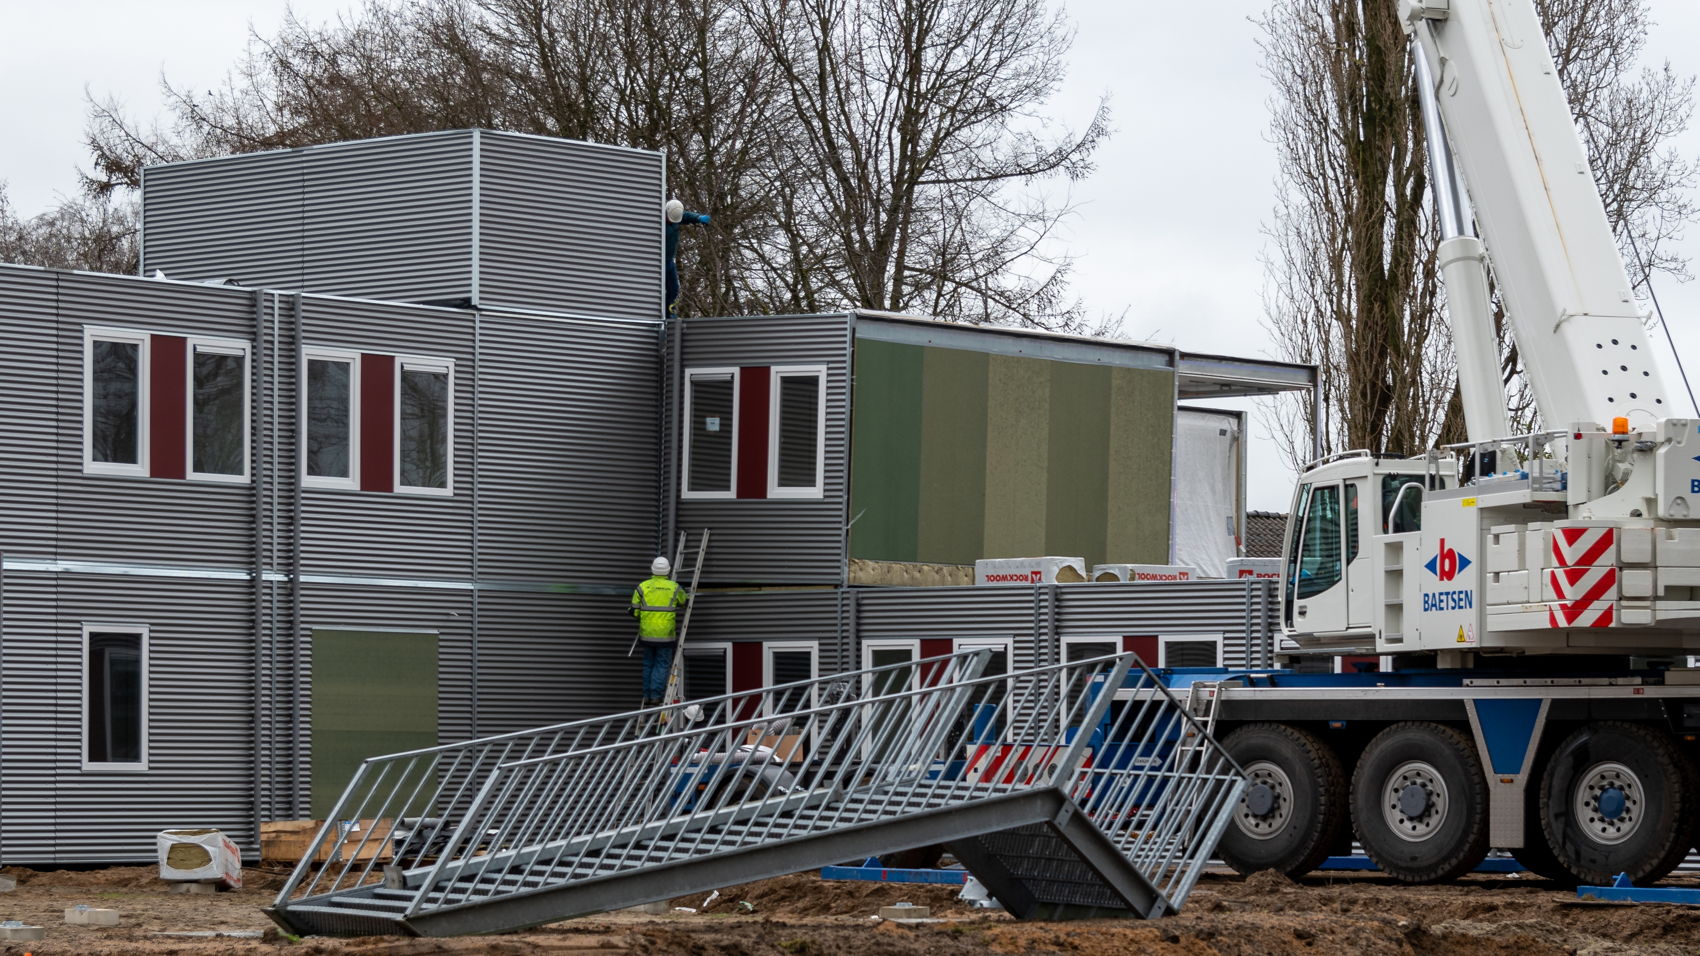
(424, 430)
(330, 424)
(115, 402)
(218, 409)
(711, 409)
(115, 697)
(1086, 648)
(786, 662)
(988, 697)
(797, 432)
(708, 670)
(1189, 650)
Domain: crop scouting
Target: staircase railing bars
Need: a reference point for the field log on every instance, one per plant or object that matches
(528, 812)
(404, 807)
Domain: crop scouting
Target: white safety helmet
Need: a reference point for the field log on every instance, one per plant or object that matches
(675, 210)
(660, 566)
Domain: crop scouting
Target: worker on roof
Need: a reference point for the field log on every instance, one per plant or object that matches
(656, 604)
(677, 216)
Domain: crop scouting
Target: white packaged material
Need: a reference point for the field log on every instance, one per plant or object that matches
(1144, 572)
(199, 856)
(1254, 568)
(1045, 570)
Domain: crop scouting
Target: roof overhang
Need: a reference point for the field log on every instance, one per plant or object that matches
(1221, 376)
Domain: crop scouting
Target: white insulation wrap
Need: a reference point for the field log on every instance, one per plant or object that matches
(1135, 573)
(1046, 570)
(205, 856)
(1254, 568)
(1206, 489)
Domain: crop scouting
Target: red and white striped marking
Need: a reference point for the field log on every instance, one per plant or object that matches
(1600, 614)
(1583, 547)
(1583, 585)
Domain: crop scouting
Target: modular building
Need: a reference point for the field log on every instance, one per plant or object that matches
(372, 455)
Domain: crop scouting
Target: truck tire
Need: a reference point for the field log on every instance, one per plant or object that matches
(1536, 854)
(1420, 804)
(1619, 797)
(1294, 811)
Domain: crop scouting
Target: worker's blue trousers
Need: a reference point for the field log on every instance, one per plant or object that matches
(657, 661)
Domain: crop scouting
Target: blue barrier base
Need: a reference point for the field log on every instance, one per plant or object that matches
(871, 871)
(1623, 891)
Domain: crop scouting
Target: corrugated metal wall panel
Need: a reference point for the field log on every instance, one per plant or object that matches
(569, 226)
(133, 519)
(785, 540)
(233, 218)
(545, 658)
(389, 218)
(497, 219)
(774, 616)
(1223, 607)
(390, 534)
(569, 473)
(30, 407)
(199, 731)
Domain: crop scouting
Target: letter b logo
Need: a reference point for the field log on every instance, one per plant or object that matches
(1448, 568)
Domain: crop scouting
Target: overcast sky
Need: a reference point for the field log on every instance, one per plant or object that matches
(1169, 228)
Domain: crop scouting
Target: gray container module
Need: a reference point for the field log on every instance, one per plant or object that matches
(463, 217)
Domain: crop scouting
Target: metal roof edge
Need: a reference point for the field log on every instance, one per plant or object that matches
(429, 134)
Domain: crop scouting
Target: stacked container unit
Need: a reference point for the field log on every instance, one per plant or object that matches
(456, 559)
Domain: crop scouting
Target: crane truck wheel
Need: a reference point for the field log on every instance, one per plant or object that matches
(1420, 803)
(1619, 798)
(1293, 811)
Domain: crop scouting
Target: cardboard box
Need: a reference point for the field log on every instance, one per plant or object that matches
(787, 748)
(286, 841)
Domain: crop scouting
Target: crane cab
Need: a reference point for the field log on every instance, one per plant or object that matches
(1351, 514)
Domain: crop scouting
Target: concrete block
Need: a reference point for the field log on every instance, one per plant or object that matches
(7, 884)
(657, 908)
(905, 911)
(13, 931)
(197, 888)
(83, 915)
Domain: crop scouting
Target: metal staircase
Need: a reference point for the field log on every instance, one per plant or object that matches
(1063, 799)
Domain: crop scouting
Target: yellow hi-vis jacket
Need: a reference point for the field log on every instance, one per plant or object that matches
(656, 604)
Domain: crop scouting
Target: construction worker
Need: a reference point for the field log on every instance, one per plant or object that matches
(676, 216)
(656, 604)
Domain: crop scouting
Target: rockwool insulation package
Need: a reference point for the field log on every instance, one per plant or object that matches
(1208, 510)
(1144, 572)
(199, 856)
(1044, 570)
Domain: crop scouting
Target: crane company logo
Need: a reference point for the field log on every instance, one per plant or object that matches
(1447, 564)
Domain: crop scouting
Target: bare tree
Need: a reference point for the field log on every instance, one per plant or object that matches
(91, 233)
(1352, 282)
(890, 181)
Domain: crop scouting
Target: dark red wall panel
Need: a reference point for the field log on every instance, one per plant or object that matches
(754, 396)
(746, 675)
(1144, 645)
(168, 398)
(377, 422)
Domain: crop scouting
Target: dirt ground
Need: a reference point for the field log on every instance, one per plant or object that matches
(803, 916)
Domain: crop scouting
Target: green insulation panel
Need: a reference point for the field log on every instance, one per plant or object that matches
(374, 693)
(959, 454)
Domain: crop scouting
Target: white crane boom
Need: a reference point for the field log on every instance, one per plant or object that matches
(1568, 298)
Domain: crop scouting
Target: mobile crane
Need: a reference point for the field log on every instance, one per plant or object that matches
(1532, 591)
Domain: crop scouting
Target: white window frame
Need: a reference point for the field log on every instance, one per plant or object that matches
(424, 363)
(1114, 640)
(702, 649)
(144, 388)
(219, 346)
(685, 458)
(93, 627)
(768, 648)
(776, 373)
(1164, 640)
(352, 359)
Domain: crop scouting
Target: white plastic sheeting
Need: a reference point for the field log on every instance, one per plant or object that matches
(1206, 489)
